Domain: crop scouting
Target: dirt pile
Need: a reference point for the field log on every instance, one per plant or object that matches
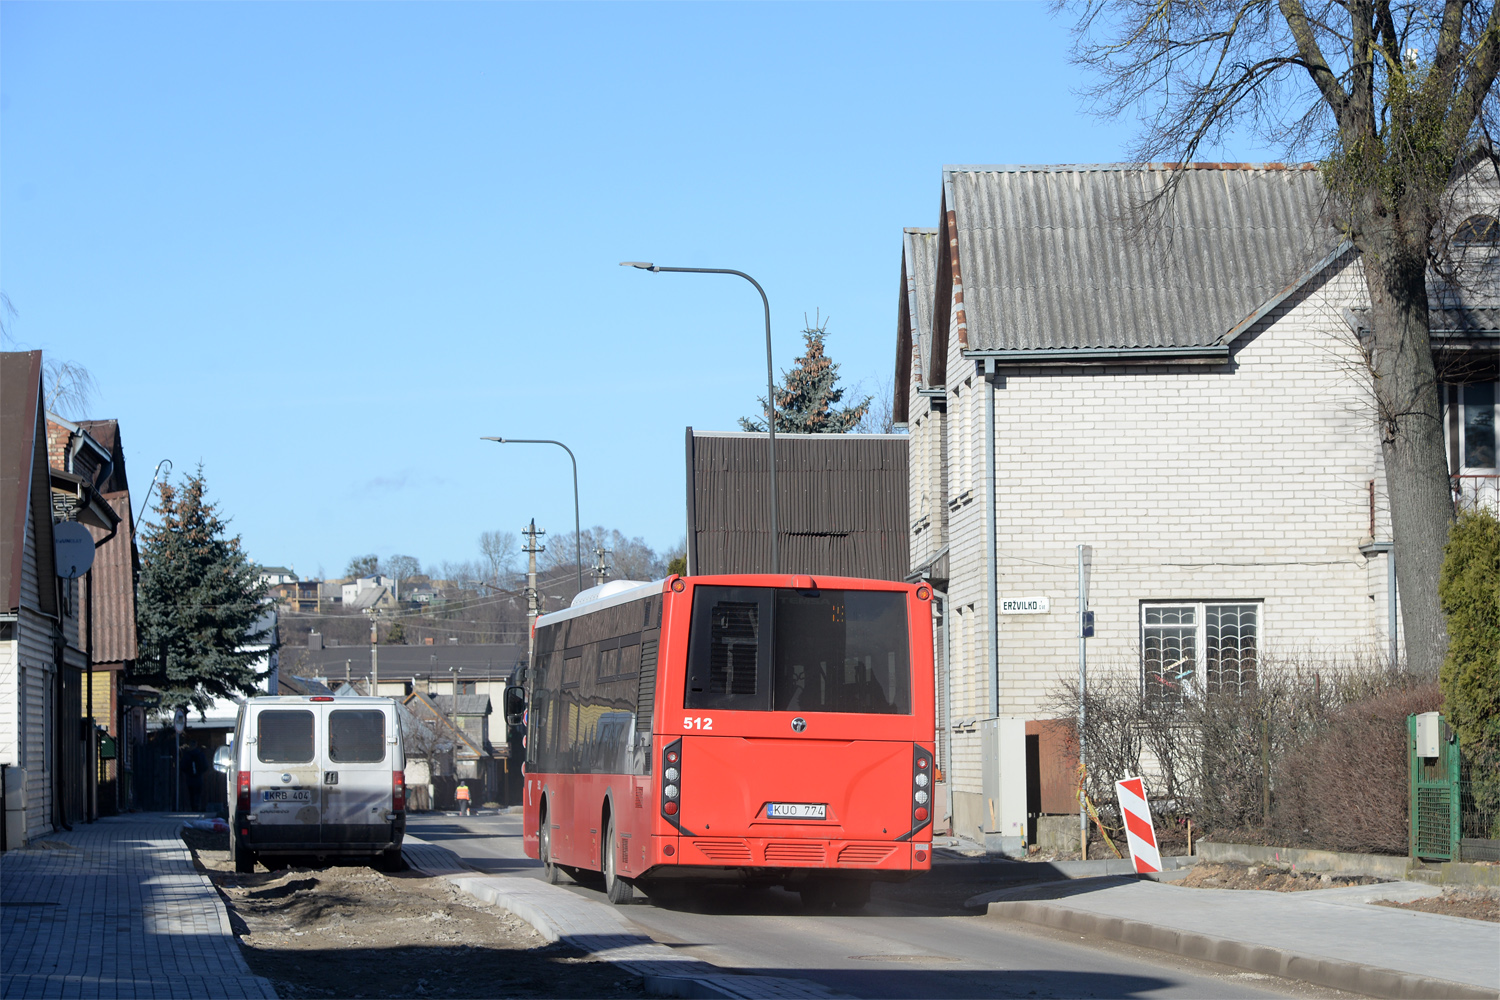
(1475, 904)
(349, 931)
(1278, 878)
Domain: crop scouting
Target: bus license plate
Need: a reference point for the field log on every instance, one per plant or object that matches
(286, 795)
(796, 810)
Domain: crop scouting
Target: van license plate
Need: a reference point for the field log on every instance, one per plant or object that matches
(796, 810)
(286, 795)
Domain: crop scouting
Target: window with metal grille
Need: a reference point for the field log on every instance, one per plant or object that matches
(356, 736)
(1196, 649)
(284, 736)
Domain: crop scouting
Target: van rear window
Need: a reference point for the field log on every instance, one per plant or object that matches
(284, 736)
(356, 736)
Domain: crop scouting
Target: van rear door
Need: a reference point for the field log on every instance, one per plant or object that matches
(285, 796)
(357, 760)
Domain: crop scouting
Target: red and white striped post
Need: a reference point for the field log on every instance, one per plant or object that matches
(1131, 794)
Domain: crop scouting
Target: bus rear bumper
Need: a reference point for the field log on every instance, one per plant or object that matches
(755, 858)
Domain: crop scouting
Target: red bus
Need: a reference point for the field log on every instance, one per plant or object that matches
(763, 730)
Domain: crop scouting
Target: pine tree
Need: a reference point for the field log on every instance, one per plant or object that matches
(200, 604)
(809, 393)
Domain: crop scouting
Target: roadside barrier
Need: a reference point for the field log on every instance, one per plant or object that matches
(1131, 794)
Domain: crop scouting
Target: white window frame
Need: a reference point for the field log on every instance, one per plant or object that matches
(1194, 683)
(1460, 428)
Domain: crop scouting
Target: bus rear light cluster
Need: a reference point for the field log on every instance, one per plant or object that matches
(671, 782)
(242, 794)
(921, 787)
(398, 791)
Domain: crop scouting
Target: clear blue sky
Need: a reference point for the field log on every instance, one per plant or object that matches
(323, 248)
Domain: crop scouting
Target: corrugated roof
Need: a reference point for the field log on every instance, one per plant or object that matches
(468, 704)
(113, 580)
(1057, 257)
(920, 250)
(398, 662)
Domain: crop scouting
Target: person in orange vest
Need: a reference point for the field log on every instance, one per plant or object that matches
(463, 799)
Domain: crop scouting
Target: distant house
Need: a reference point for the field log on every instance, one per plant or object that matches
(1182, 394)
(276, 575)
(370, 592)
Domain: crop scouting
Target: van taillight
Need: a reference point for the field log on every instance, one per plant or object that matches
(242, 798)
(398, 791)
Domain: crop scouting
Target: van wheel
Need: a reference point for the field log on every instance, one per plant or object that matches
(615, 888)
(244, 858)
(391, 861)
(551, 873)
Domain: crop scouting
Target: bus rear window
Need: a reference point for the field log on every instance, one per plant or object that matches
(762, 649)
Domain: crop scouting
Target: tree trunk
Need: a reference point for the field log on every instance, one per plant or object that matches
(1409, 411)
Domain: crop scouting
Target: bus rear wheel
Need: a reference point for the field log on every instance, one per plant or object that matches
(615, 888)
(244, 858)
(551, 873)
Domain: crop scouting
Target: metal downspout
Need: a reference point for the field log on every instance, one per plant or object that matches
(947, 713)
(992, 578)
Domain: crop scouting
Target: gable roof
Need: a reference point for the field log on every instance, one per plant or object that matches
(113, 580)
(919, 257)
(1058, 258)
(24, 477)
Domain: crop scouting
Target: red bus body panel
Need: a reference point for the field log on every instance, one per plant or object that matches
(860, 766)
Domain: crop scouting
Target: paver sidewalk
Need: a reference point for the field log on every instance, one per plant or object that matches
(116, 909)
(1332, 937)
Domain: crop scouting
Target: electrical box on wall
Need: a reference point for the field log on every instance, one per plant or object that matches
(1429, 734)
(1002, 744)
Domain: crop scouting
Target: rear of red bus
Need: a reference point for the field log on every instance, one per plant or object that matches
(791, 742)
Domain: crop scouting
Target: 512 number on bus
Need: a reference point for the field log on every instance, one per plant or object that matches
(700, 722)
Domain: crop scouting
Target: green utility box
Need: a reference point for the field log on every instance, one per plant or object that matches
(1434, 801)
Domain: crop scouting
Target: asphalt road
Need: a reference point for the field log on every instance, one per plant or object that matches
(914, 940)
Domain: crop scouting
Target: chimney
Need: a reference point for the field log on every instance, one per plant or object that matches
(314, 640)
(427, 641)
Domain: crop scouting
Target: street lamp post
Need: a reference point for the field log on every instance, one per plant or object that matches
(770, 382)
(577, 530)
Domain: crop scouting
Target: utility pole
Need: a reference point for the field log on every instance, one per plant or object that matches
(602, 568)
(374, 614)
(533, 599)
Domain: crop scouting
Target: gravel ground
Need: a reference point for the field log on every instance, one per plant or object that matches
(1476, 904)
(349, 931)
(1275, 877)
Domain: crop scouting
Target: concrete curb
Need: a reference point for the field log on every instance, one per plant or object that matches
(1332, 973)
(602, 932)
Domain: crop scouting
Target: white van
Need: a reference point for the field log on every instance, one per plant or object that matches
(316, 776)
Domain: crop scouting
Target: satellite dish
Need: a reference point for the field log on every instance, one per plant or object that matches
(72, 548)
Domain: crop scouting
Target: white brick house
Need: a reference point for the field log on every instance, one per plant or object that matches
(1183, 395)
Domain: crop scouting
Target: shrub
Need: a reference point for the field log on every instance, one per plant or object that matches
(1345, 788)
(1470, 591)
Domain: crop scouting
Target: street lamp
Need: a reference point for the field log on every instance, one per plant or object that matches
(577, 530)
(770, 381)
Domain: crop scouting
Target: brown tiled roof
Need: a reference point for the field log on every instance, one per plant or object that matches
(113, 580)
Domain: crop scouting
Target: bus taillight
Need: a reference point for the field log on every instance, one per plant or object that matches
(671, 783)
(921, 787)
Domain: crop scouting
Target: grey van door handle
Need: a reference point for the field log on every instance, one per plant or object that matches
(330, 777)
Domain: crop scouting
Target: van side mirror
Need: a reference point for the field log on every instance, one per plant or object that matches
(224, 759)
(514, 704)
